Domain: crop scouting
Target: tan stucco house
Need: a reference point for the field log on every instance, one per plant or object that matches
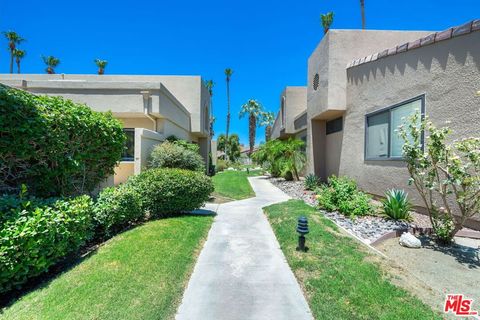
(151, 108)
(361, 83)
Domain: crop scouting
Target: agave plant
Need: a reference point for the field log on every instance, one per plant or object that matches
(311, 182)
(396, 204)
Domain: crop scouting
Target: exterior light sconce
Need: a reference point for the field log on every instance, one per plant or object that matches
(302, 229)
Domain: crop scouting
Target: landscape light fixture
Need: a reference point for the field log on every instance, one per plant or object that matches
(302, 229)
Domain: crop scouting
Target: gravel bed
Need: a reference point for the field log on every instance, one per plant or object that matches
(368, 228)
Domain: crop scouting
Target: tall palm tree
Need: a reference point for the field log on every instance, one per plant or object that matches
(327, 20)
(362, 8)
(13, 39)
(254, 111)
(228, 74)
(51, 63)
(19, 55)
(267, 120)
(101, 64)
(210, 84)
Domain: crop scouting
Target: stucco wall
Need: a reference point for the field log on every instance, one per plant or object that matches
(333, 151)
(295, 103)
(145, 141)
(448, 73)
(124, 170)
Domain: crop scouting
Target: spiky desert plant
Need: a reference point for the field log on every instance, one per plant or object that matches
(51, 63)
(13, 39)
(311, 182)
(19, 55)
(396, 204)
(327, 20)
(101, 64)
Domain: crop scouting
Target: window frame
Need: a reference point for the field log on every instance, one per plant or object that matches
(129, 159)
(389, 110)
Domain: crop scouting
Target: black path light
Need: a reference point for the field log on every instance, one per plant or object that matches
(302, 229)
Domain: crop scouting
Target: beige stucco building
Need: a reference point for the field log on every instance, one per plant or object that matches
(151, 108)
(362, 83)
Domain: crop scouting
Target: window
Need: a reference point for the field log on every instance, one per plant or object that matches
(335, 125)
(381, 138)
(129, 151)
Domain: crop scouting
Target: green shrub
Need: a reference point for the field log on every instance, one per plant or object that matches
(55, 146)
(342, 194)
(396, 204)
(35, 234)
(222, 165)
(116, 208)
(311, 182)
(174, 155)
(164, 192)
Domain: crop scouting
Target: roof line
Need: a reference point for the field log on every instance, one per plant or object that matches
(435, 37)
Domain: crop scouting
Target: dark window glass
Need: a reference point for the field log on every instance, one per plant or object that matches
(334, 125)
(129, 151)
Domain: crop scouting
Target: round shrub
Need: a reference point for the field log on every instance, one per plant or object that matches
(53, 145)
(176, 155)
(164, 192)
(116, 208)
(34, 237)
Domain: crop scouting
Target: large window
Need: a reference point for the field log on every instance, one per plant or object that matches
(129, 151)
(381, 139)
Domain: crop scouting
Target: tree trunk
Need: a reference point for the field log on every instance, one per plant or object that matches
(228, 117)
(18, 65)
(101, 71)
(252, 125)
(268, 132)
(362, 7)
(11, 60)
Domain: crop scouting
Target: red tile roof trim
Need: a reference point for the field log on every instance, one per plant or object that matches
(466, 28)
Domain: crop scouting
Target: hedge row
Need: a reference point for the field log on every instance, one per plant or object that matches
(55, 146)
(36, 233)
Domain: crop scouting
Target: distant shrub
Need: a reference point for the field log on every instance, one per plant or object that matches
(167, 191)
(311, 182)
(116, 208)
(396, 204)
(222, 165)
(341, 194)
(176, 155)
(35, 234)
(55, 146)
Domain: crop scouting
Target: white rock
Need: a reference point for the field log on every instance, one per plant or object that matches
(230, 169)
(409, 240)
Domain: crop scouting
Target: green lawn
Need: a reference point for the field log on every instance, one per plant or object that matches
(234, 184)
(338, 280)
(140, 274)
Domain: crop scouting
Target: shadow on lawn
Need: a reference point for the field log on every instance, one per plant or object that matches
(468, 256)
(43, 280)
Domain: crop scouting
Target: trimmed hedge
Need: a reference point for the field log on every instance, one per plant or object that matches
(35, 234)
(116, 208)
(55, 146)
(164, 192)
(179, 154)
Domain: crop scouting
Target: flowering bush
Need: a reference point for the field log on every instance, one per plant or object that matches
(446, 175)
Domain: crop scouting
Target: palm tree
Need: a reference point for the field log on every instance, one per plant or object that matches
(228, 74)
(210, 84)
(327, 20)
(254, 111)
(19, 55)
(267, 120)
(13, 39)
(362, 8)
(51, 63)
(101, 64)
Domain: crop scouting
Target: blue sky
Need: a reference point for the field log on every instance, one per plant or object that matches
(266, 43)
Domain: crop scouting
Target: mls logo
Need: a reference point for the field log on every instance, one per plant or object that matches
(459, 306)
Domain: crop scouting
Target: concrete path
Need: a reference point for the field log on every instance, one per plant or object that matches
(241, 272)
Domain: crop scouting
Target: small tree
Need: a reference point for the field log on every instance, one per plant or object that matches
(19, 55)
(327, 20)
(101, 64)
(444, 172)
(13, 39)
(51, 63)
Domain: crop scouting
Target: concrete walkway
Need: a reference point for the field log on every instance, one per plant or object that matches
(241, 272)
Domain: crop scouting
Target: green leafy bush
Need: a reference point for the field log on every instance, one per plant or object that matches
(116, 208)
(35, 234)
(167, 191)
(55, 146)
(396, 204)
(174, 155)
(342, 194)
(311, 182)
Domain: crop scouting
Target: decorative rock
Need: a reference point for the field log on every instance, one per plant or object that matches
(409, 240)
